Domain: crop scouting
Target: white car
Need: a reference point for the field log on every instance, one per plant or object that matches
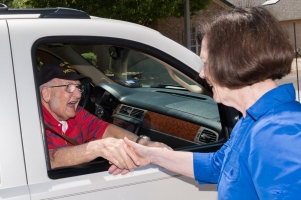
(142, 82)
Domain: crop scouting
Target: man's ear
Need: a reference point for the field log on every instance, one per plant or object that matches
(45, 94)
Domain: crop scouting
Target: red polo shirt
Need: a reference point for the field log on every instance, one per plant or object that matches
(84, 127)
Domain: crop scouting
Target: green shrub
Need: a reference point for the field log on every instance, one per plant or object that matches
(91, 57)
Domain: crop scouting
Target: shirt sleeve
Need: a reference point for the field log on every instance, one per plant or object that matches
(91, 127)
(207, 166)
(54, 141)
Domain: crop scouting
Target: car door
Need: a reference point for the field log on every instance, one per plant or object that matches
(84, 181)
(12, 169)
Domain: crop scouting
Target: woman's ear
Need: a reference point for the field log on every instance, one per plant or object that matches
(45, 94)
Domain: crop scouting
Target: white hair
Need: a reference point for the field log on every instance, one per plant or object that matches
(46, 84)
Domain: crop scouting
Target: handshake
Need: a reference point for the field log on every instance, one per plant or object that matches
(127, 155)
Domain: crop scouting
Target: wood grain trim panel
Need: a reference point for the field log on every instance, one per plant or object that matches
(170, 125)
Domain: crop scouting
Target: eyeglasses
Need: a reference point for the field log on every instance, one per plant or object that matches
(71, 87)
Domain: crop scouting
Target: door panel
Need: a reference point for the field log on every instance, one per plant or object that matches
(13, 183)
(147, 183)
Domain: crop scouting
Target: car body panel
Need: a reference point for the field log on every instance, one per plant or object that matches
(12, 169)
(104, 28)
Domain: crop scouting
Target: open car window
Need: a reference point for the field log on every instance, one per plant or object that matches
(142, 91)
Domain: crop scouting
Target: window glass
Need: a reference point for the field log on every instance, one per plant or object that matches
(127, 67)
(43, 57)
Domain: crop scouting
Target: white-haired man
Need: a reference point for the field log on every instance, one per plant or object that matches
(61, 88)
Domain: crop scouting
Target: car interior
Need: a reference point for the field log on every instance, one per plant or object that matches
(142, 90)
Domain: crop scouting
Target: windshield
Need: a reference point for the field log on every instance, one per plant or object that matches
(128, 67)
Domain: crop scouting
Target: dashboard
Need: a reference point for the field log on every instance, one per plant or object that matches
(178, 118)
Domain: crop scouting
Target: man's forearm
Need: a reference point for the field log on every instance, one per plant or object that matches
(68, 156)
(111, 149)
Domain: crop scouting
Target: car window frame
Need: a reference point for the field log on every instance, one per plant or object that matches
(179, 66)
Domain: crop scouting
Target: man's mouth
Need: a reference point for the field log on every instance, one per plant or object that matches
(72, 103)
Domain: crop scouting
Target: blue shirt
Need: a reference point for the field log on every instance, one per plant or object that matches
(262, 158)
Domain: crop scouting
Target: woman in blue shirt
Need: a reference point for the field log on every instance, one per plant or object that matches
(244, 50)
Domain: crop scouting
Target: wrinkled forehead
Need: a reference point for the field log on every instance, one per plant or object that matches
(64, 81)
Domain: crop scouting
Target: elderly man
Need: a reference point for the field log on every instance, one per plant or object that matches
(60, 88)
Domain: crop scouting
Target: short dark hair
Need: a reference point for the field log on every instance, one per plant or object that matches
(245, 46)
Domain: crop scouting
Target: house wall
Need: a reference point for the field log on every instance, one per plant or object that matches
(173, 27)
(289, 27)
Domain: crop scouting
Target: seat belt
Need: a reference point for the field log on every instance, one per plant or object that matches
(68, 139)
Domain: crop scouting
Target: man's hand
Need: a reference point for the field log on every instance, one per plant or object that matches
(141, 153)
(114, 131)
(115, 170)
(114, 151)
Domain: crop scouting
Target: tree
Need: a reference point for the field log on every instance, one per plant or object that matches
(7, 2)
(15, 4)
(138, 11)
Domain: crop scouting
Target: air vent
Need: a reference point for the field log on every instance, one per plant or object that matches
(125, 110)
(136, 113)
(206, 136)
(131, 112)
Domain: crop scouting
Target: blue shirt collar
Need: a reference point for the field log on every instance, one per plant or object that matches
(271, 99)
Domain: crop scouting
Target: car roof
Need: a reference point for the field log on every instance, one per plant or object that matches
(53, 13)
(72, 22)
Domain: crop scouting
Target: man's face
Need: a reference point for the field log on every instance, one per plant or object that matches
(62, 104)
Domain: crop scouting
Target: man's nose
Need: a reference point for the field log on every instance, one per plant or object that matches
(77, 93)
